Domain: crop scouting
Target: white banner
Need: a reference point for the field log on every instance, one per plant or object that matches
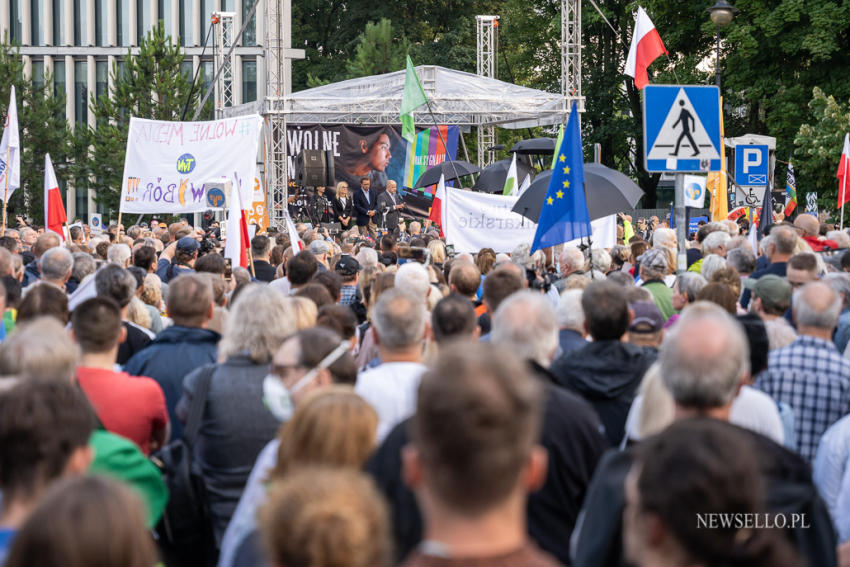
(168, 163)
(604, 233)
(480, 220)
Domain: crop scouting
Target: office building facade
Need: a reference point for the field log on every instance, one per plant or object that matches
(79, 41)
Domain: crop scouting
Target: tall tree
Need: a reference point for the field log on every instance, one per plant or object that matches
(41, 117)
(151, 85)
(378, 51)
(818, 147)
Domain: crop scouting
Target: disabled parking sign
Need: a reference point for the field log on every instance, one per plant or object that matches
(681, 128)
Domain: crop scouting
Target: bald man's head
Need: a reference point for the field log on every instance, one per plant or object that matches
(465, 279)
(808, 224)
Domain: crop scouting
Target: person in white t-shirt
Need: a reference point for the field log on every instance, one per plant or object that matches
(398, 323)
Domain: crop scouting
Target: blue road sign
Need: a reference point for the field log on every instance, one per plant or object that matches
(751, 165)
(681, 128)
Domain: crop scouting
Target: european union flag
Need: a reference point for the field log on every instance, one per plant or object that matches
(564, 215)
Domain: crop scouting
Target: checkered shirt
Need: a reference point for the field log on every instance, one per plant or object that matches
(348, 294)
(812, 377)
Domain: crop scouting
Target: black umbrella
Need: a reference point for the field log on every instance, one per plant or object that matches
(608, 192)
(535, 146)
(492, 178)
(450, 169)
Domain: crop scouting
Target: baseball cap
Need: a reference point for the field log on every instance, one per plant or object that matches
(347, 265)
(319, 247)
(648, 318)
(188, 244)
(654, 259)
(770, 287)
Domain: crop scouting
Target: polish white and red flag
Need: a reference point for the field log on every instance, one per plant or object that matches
(237, 242)
(646, 47)
(436, 214)
(54, 210)
(844, 172)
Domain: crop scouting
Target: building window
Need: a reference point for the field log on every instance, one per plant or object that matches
(101, 17)
(59, 81)
(207, 8)
(226, 5)
(187, 22)
(81, 199)
(143, 18)
(81, 92)
(37, 22)
(249, 81)
(165, 16)
(16, 25)
(101, 71)
(122, 18)
(38, 75)
(186, 69)
(58, 22)
(250, 35)
(81, 22)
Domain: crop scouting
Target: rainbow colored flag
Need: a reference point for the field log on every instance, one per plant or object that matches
(426, 151)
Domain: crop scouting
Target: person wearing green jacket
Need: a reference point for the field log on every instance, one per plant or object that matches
(653, 268)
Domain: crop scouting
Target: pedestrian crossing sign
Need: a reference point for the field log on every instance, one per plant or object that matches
(681, 128)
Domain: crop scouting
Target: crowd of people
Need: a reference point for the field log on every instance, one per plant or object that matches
(369, 398)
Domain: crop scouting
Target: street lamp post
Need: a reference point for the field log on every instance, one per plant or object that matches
(721, 14)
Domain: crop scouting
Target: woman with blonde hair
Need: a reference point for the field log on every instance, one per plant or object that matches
(235, 424)
(331, 427)
(327, 518)
(437, 249)
(305, 311)
(343, 206)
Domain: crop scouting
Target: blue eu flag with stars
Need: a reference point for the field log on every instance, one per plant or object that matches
(564, 215)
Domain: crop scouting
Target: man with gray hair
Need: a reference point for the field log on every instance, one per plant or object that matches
(810, 375)
(742, 259)
(55, 267)
(413, 278)
(321, 249)
(119, 254)
(840, 283)
(398, 324)
(84, 265)
(570, 317)
(572, 262)
(780, 246)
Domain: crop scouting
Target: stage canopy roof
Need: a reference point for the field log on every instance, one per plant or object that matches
(456, 98)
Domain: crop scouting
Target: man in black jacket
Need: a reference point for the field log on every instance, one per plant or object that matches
(261, 247)
(572, 435)
(607, 371)
(704, 361)
(389, 205)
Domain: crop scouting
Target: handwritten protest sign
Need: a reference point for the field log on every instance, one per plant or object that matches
(168, 163)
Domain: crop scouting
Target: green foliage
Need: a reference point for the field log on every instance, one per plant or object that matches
(377, 51)
(151, 85)
(42, 129)
(818, 147)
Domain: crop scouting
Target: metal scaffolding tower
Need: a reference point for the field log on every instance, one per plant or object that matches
(571, 52)
(224, 36)
(279, 56)
(487, 28)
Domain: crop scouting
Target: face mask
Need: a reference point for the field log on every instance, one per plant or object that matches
(278, 398)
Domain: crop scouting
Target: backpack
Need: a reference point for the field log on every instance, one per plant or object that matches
(184, 533)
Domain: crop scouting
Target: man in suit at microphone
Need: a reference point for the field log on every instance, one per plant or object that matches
(389, 205)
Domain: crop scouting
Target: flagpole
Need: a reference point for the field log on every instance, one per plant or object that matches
(5, 193)
(843, 193)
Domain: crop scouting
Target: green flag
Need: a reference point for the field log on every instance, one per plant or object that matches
(557, 145)
(413, 98)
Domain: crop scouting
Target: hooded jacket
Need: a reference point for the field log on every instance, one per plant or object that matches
(606, 374)
(173, 354)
